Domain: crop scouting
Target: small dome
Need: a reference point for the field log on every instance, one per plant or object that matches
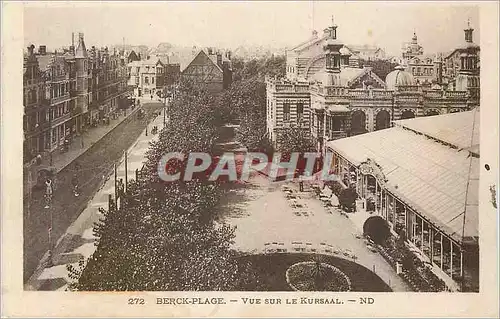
(344, 51)
(398, 77)
(436, 86)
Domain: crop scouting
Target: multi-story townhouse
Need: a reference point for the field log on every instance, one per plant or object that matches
(152, 76)
(64, 92)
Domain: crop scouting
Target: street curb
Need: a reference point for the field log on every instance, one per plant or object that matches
(33, 284)
(106, 134)
(26, 192)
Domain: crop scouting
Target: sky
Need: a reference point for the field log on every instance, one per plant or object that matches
(439, 26)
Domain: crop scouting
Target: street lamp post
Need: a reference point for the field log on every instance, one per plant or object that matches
(50, 136)
(50, 262)
(165, 112)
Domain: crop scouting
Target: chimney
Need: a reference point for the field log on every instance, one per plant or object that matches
(209, 50)
(42, 50)
(314, 34)
(228, 55)
(31, 48)
(219, 59)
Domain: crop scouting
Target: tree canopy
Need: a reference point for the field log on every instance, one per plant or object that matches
(165, 235)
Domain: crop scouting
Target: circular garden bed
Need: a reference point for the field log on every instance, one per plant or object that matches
(270, 272)
(316, 276)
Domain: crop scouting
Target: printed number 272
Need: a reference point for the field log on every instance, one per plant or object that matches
(136, 301)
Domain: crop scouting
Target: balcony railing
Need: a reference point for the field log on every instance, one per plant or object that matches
(60, 119)
(455, 94)
(59, 99)
(292, 88)
(409, 88)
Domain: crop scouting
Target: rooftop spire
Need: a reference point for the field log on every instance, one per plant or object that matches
(468, 32)
(81, 51)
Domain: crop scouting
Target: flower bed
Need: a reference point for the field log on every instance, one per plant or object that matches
(303, 276)
(419, 277)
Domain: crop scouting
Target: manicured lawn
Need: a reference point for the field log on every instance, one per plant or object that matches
(271, 270)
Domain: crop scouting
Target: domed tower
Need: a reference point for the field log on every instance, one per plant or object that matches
(412, 49)
(332, 57)
(345, 54)
(398, 78)
(468, 73)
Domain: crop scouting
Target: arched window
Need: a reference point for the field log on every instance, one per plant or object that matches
(286, 110)
(358, 122)
(383, 120)
(407, 114)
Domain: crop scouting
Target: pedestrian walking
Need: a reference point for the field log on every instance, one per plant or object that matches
(74, 183)
(301, 186)
(48, 192)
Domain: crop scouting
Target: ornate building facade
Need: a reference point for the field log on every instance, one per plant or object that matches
(324, 94)
(63, 91)
(152, 75)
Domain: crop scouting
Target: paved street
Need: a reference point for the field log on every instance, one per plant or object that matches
(95, 165)
(78, 240)
(265, 218)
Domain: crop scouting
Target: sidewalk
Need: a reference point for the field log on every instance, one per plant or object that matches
(79, 146)
(78, 241)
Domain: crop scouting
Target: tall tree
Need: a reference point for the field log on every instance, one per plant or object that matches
(164, 236)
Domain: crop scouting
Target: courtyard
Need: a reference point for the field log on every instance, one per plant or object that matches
(274, 217)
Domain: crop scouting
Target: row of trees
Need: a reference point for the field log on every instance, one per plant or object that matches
(164, 236)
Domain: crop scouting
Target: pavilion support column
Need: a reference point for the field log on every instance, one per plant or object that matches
(381, 199)
(386, 210)
(461, 263)
(358, 181)
(451, 259)
(406, 220)
(441, 251)
(422, 236)
(431, 243)
(413, 221)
